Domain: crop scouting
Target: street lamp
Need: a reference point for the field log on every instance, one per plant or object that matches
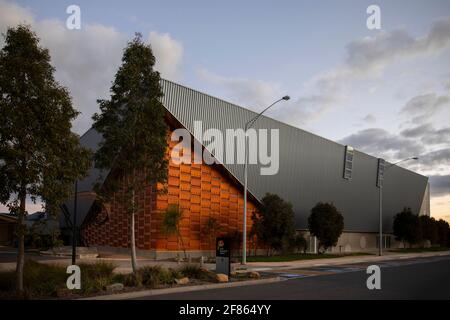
(248, 125)
(380, 186)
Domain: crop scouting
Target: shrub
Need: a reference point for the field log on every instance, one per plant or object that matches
(46, 280)
(235, 241)
(275, 224)
(44, 235)
(210, 230)
(119, 278)
(153, 276)
(298, 243)
(43, 279)
(407, 227)
(171, 224)
(191, 270)
(133, 280)
(194, 271)
(430, 230)
(326, 223)
(150, 276)
(98, 269)
(7, 282)
(95, 277)
(443, 232)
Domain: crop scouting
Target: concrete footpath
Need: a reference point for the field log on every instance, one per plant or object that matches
(123, 264)
(388, 256)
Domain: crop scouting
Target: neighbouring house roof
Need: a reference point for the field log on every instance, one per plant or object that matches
(310, 166)
(8, 218)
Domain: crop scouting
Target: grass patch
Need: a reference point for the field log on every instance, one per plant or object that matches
(418, 250)
(154, 276)
(306, 256)
(95, 277)
(195, 271)
(49, 281)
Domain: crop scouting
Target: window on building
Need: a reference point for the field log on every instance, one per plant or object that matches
(348, 162)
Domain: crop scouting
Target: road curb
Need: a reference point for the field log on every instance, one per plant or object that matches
(157, 292)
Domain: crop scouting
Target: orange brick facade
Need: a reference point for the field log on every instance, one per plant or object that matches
(202, 192)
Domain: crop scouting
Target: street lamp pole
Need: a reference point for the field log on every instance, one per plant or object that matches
(247, 126)
(380, 235)
(74, 227)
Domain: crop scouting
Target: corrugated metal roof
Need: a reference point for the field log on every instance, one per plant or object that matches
(311, 167)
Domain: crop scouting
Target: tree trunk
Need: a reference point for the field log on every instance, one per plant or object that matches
(133, 240)
(182, 244)
(21, 241)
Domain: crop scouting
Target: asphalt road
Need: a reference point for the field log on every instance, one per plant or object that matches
(409, 279)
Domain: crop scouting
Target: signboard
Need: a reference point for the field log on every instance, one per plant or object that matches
(380, 175)
(223, 255)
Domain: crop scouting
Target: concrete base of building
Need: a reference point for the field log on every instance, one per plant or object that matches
(154, 254)
(166, 254)
(351, 242)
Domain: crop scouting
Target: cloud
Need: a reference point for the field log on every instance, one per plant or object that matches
(86, 60)
(365, 58)
(370, 118)
(418, 131)
(169, 54)
(254, 94)
(408, 143)
(373, 54)
(380, 142)
(423, 107)
(437, 160)
(440, 185)
(428, 134)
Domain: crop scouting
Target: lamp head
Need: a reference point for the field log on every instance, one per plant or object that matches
(286, 98)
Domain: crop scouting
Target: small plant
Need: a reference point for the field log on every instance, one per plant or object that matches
(95, 277)
(171, 224)
(211, 229)
(150, 276)
(191, 270)
(154, 276)
(194, 271)
(133, 280)
(43, 279)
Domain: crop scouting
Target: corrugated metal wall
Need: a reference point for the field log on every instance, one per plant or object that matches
(311, 167)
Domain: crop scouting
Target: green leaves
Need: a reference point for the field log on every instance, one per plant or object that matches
(132, 122)
(326, 223)
(407, 227)
(275, 224)
(171, 220)
(38, 150)
(39, 154)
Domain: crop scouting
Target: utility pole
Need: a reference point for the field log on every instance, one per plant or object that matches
(247, 126)
(74, 227)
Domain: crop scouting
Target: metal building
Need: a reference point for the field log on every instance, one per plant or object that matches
(311, 168)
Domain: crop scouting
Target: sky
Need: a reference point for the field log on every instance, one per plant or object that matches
(386, 92)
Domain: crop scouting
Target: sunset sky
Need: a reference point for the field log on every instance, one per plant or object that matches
(385, 92)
